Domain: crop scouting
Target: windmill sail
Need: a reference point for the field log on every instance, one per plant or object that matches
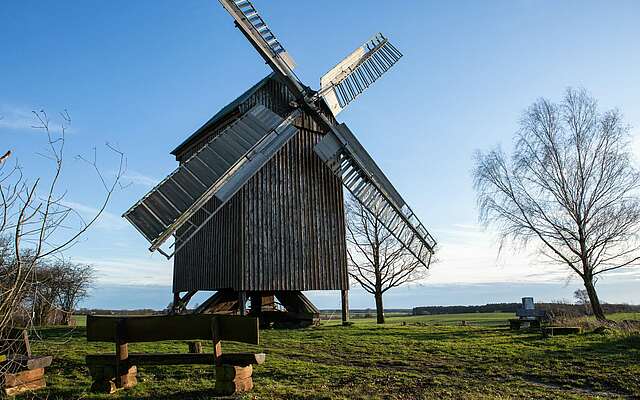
(360, 175)
(216, 172)
(347, 80)
(259, 34)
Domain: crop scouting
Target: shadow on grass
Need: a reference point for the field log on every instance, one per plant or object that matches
(60, 332)
(620, 346)
(419, 335)
(124, 394)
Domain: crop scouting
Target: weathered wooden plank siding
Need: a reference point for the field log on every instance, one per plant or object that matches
(295, 223)
(210, 258)
(283, 231)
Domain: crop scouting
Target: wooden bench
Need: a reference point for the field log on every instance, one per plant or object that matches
(114, 371)
(20, 371)
(517, 323)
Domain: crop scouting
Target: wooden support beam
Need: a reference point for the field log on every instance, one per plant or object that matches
(217, 345)
(27, 344)
(345, 306)
(19, 362)
(268, 302)
(195, 347)
(123, 378)
(27, 387)
(222, 302)
(141, 359)
(20, 378)
(255, 301)
(242, 359)
(180, 303)
(242, 303)
(176, 301)
(231, 372)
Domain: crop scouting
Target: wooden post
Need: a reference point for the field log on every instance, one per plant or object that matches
(176, 303)
(268, 302)
(122, 357)
(345, 306)
(195, 347)
(27, 345)
(242, 303)
(217, 346)
(256, 304)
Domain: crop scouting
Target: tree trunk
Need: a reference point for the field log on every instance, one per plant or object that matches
(596, 308)
(66, 318)
(379, 307)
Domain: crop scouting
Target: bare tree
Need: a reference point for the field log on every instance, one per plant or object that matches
(570, 186)
(44, 291)
(377, 260)
(36, 224)
(56, 289)
(76, 281)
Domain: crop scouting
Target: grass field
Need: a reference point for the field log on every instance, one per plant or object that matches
(428, 357)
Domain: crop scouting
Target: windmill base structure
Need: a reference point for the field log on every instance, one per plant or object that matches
(256, 206)
(282, 233)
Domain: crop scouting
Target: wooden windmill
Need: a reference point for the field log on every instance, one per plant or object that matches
(256, 208)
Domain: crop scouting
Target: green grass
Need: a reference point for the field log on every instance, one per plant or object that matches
(428, 357)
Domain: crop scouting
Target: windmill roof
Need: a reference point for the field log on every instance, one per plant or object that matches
(221, 114)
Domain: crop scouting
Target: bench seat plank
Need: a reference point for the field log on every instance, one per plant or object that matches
(16, 362)
(139, 359)
(172, 327)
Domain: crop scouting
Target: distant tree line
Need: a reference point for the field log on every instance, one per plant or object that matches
(555, 308)
(105, 311)
(50, 293)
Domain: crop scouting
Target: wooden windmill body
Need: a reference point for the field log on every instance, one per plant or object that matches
(282, 232)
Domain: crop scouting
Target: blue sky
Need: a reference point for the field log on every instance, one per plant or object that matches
(144, 75)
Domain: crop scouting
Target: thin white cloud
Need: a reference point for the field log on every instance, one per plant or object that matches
(15, 118)
(470, 255)
(151, 270)
(139, 179)
(106, 220)
(22, 119)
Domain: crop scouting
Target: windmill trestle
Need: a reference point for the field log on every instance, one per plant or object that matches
(279, 309)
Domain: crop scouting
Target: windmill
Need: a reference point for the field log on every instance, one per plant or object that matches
(255, 210)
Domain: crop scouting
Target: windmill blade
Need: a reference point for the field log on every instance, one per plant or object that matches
(249, 21)
(347, 80)
(216, 172)
(360, 175)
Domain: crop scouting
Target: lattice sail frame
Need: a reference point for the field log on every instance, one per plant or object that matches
(367, 183)
(339, 149)
(353, 75)
(216, 172)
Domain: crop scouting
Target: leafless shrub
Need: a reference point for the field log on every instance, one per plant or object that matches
(37, 226)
